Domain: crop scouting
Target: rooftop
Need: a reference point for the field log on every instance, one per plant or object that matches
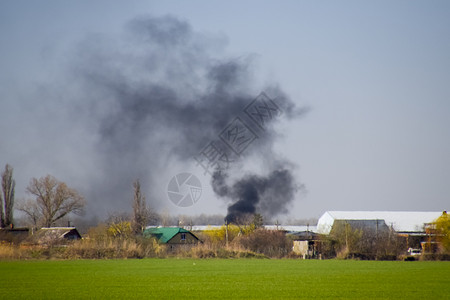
(164, 234)
(401, 221)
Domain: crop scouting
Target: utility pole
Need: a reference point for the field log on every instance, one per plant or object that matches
(376, 240)
(226, 232)
(346, 234)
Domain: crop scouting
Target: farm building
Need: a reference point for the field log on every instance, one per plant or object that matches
(306, 243)
(172, 235)
(403, 222)
(407, 224)
(51, 235)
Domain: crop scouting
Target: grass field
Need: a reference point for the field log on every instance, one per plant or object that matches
(223, 279)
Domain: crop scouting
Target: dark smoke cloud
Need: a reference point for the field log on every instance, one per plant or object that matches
(268, 195)
(159, 93)
(135, 105)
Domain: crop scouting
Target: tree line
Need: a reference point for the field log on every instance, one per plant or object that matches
(51, 200)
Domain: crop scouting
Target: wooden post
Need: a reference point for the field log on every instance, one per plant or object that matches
(226, 232)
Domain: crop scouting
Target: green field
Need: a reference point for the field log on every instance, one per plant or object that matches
(224, 279)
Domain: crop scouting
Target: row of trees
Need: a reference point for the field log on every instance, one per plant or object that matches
(53, 200)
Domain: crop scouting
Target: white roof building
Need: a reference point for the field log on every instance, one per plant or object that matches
(291, 228)
(401, 221)
(287, 228)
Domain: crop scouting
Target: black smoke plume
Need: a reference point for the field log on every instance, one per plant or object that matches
(160, 93)
(268, 195)
(136, 104)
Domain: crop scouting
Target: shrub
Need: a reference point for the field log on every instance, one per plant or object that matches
(271, 243)
(218, 236)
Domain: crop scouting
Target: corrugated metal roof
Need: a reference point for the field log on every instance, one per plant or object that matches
(288, 228)
(401, 221)
(60, 231)
(292, 228)
(51, 234)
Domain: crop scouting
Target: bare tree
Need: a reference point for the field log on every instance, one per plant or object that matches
(31, 210)
(117, 217)
(54, 200)
(8, 185)
(258, 221)
(141, 214)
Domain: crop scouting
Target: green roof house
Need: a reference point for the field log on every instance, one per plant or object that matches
(172, 235)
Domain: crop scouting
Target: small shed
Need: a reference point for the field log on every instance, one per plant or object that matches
(172, 235)
(306, 244)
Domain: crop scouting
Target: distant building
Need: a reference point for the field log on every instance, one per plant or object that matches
(403, 222)
(306, 243)
(285, 228)
(291, 229)
(55, 235)
(407, 224)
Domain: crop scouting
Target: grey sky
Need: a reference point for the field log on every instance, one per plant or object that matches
(375, 75)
